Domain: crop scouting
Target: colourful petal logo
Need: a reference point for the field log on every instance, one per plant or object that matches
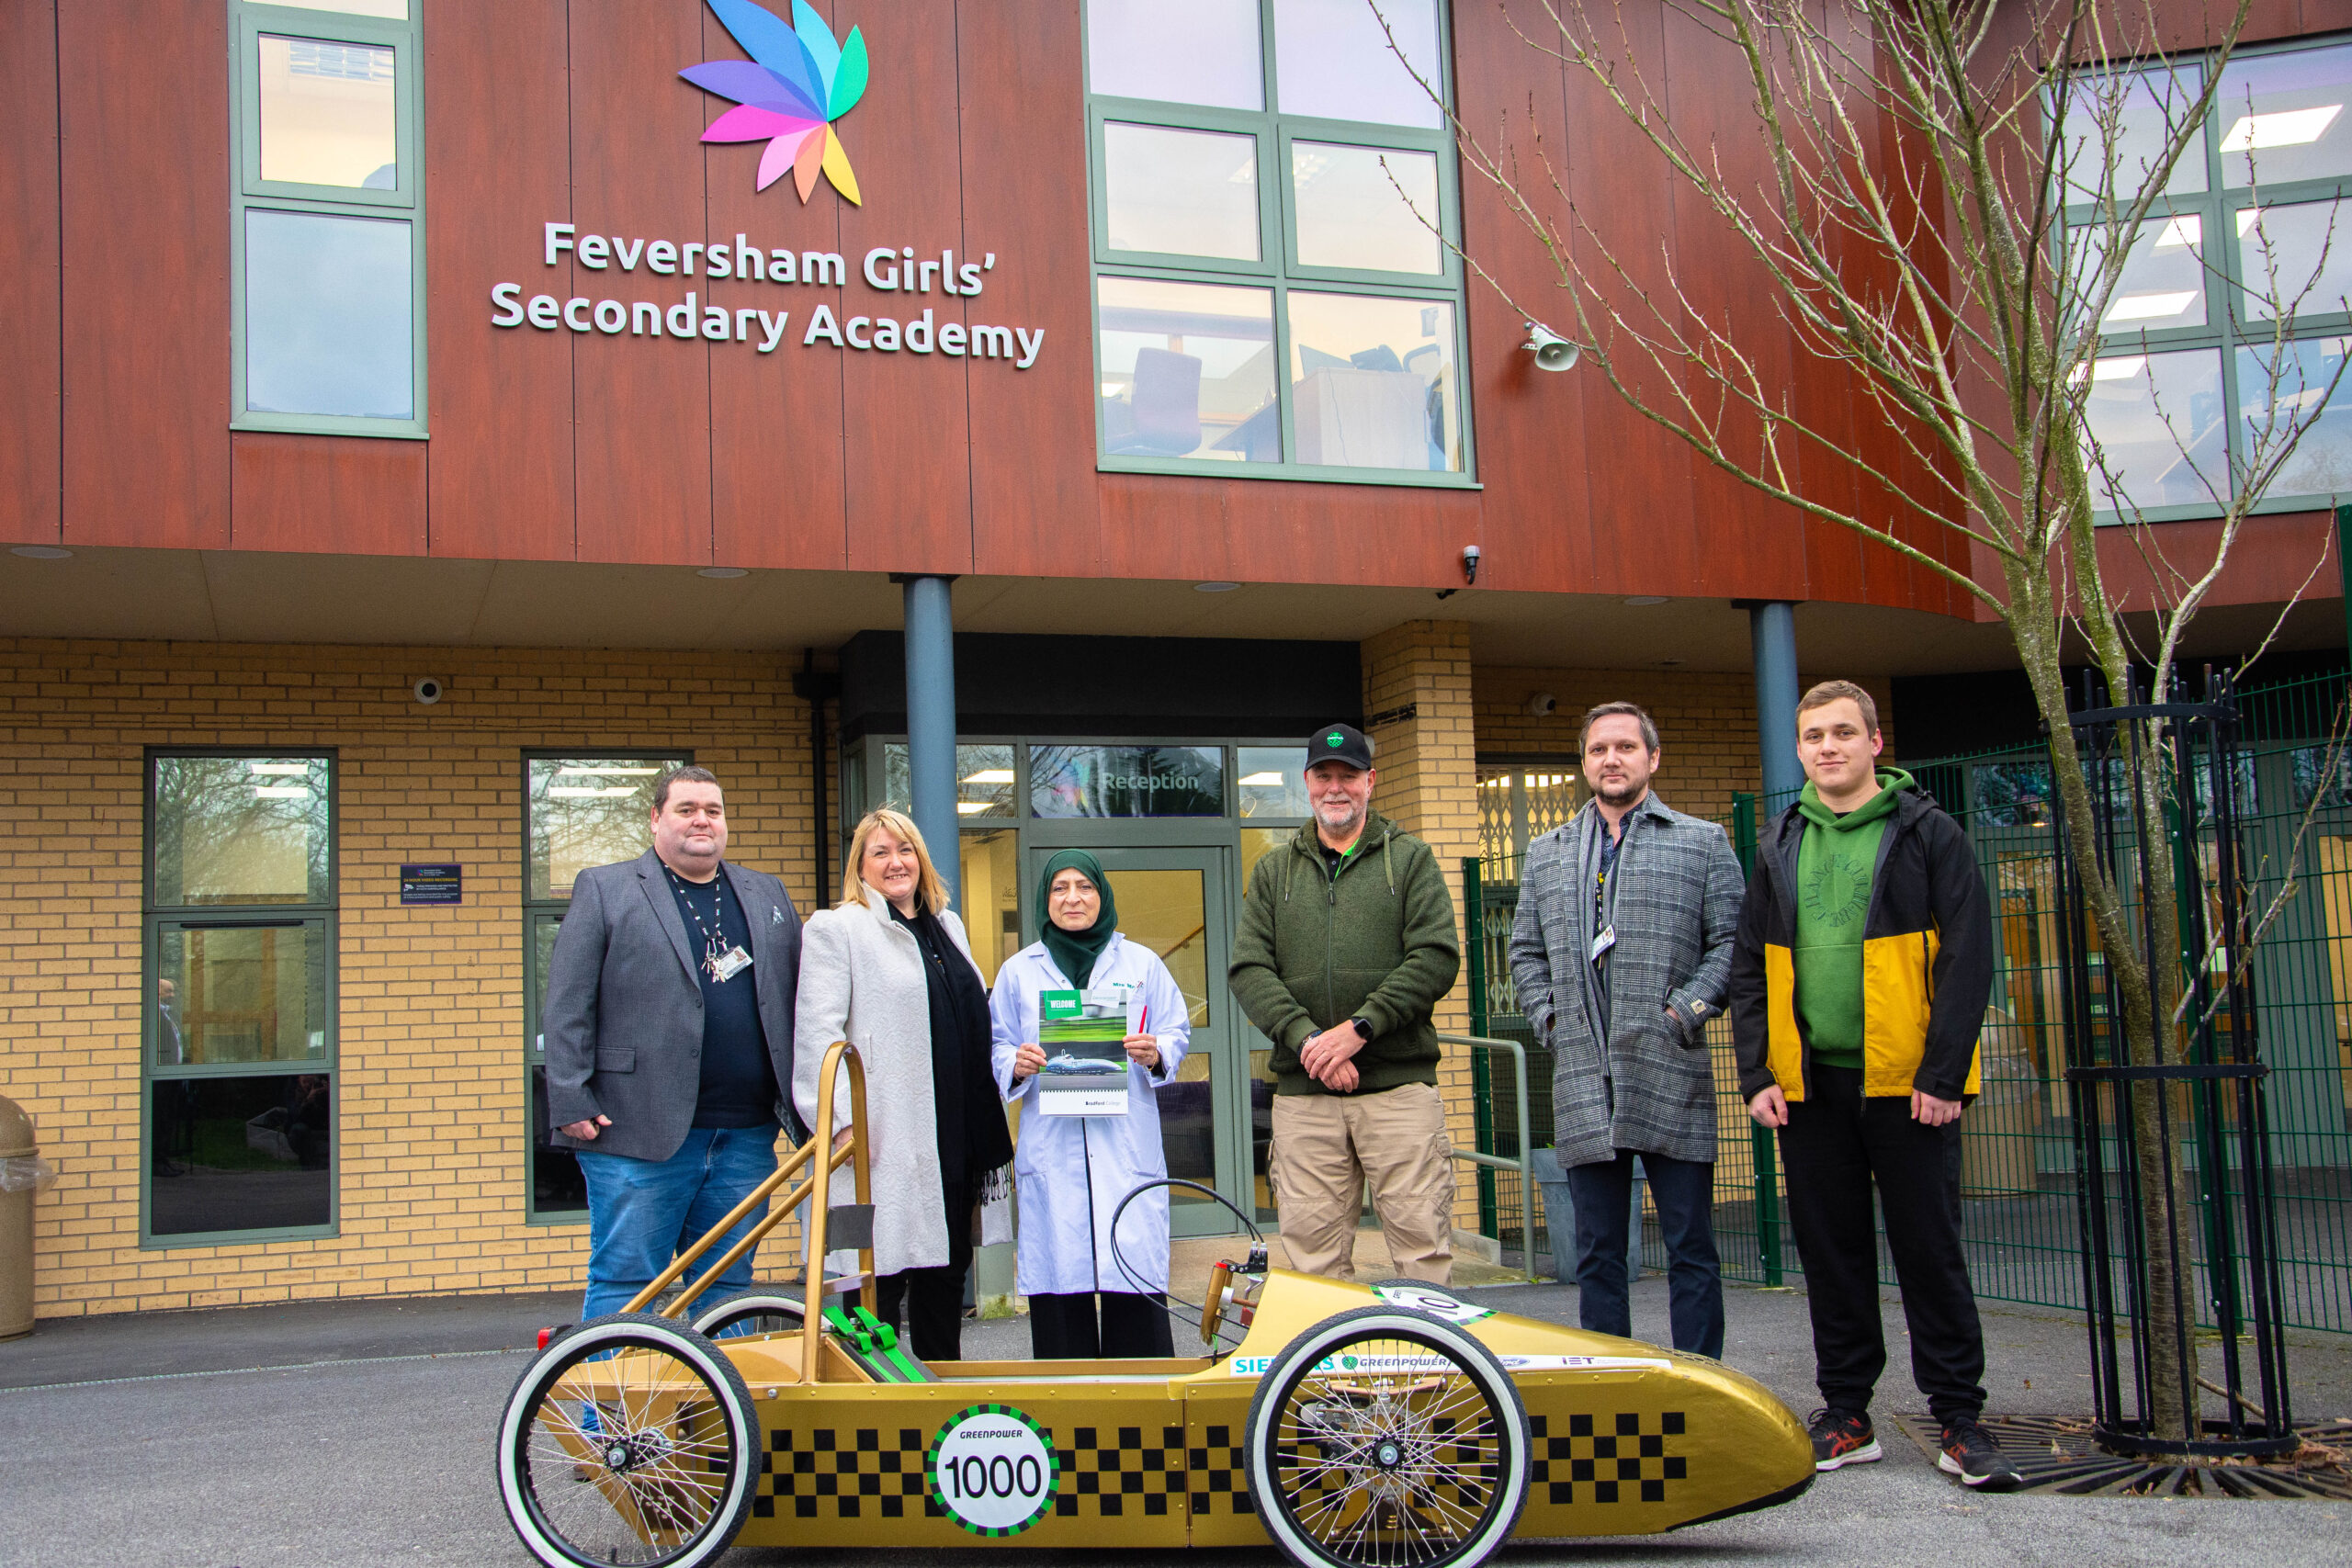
(796, 83)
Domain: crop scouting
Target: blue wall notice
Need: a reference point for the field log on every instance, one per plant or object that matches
(433, 883)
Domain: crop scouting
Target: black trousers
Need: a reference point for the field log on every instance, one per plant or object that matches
(1684, 1191)
(1133, 1326)
(933, 1298)
(1837, 1145)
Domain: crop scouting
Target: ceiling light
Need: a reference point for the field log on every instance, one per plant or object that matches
(1261, 781)
(972, 807)
(1214, 587)
(560, 792)
(990, 776)
(1112, 388)
(281, 792)
(42, 552)
(2121, 369)
(2186, 229)
(2288, 127)
(1644, 600)
(722, 571)
(2148, 307)
(602, 772)
(298, 770)
(2248, 218)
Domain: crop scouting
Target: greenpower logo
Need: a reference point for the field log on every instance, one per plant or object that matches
(1335, 741)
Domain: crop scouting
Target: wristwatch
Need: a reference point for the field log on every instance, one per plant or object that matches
(1364, 1026)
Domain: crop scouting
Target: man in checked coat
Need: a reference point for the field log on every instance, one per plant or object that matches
(1620, 952)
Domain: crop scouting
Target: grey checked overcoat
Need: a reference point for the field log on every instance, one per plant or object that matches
(1676, 911)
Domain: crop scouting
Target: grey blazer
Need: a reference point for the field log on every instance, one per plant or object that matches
(623, 1019)
(1634, 1079)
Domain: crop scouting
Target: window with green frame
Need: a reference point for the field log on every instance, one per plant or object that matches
(2250, 227)
(238, 1062)
(583, 810)
(327, 222)
(1270, 301)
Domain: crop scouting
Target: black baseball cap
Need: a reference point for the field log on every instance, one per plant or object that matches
(1338, 743)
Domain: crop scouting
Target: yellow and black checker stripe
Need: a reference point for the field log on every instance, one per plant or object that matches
(1121, 1477)
(1610, 1458)
(859, 1473)
(1219, 1475)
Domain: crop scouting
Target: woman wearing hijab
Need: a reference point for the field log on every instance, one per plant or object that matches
(888, 969)
(1073, 1171)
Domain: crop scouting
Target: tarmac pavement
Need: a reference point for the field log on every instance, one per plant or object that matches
(359, 1433)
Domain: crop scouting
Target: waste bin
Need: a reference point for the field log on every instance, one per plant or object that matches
(22, 1174)
(1560, 1218)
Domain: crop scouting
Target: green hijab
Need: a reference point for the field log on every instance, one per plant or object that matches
(1075, 951)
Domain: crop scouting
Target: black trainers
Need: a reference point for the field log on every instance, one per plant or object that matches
(1970, 1452)
(1842, 1437)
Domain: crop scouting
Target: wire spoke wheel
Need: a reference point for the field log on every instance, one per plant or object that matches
(631, 1443)
(753, 1312)
(1383, 1438)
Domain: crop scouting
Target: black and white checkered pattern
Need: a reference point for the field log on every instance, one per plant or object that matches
(1609, 1456)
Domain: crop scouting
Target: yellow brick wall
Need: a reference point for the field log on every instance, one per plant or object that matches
(430, 1079)
(1427, 784)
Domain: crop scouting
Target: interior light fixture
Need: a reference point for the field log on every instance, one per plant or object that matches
(2248, 218)
(1261, 781)
(1112, 388)
(723, 572)
(990, 776)
(972, 807)
(2286, 127)
(42, 552)
(602, 772)
(2186, 229)
(1214, 587)
(575, 793)
(281, 792)
(1643, 601)
(2121, 369)
(295, 769)
(2149, 307)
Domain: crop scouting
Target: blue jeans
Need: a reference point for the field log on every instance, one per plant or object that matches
(643, 1213)
(1684, 1191)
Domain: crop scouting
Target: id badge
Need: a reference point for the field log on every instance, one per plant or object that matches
(728, 964)
(1604, 942)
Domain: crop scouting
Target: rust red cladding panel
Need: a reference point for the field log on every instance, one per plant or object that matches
(30, 475)
(144, 161)
(497, 162)
(340, 494)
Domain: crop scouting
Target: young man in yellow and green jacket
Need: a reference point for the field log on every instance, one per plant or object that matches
(1858, 980)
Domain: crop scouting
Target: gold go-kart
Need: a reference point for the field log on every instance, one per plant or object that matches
(1390, 1425)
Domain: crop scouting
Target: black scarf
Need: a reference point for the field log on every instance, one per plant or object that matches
(973, 1138)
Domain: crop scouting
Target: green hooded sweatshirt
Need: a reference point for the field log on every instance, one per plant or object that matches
(1835, 867)
(1374, 940)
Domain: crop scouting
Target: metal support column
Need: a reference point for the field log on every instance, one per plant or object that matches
(931, 722)
(1772, 634)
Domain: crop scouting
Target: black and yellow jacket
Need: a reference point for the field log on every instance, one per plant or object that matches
(1927, 961)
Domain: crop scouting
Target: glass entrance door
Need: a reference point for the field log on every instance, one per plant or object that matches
(1175, 902)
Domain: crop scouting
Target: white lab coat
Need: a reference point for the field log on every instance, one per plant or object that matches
(1061, 1161)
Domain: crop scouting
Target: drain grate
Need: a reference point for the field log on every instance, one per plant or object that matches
(2057, 1455)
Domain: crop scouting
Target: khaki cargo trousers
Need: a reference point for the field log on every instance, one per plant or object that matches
(1327, 1145)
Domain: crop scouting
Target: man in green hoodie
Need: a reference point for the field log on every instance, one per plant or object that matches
(1858, 980)
(1345, 946)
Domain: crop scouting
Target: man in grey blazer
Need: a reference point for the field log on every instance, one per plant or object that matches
(669, 1040)
(1619, 953)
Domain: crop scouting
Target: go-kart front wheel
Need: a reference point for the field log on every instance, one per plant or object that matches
(630, 1442)
(1385, 1438)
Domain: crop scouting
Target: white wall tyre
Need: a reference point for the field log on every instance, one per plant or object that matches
(1384, 1437)
(631, 1443)
(753, 1312)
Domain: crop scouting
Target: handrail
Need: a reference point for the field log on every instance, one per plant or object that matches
(1523, 1164)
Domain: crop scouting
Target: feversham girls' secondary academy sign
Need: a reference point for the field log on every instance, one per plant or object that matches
(800, 80)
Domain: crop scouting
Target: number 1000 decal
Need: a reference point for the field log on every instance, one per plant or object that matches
(993, 1469)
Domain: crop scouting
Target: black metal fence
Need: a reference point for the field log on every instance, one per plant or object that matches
(2018, 1177)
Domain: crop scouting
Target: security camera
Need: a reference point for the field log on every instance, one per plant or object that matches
(1552, 351)
(428, 689)
(1541, 704)
(1469, 563)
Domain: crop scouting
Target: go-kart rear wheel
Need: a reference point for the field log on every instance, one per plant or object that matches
(1387, 1438)
(753, 1312)
(630, 1442)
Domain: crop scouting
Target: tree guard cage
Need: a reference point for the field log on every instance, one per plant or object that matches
(2171, 1135)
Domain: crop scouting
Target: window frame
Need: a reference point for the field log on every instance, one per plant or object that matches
(249, 19)
(155, 919)
(2225, 330)
(1275, 270)
(534, 982)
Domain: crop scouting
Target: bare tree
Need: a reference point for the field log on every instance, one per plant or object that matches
(1906, 202)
